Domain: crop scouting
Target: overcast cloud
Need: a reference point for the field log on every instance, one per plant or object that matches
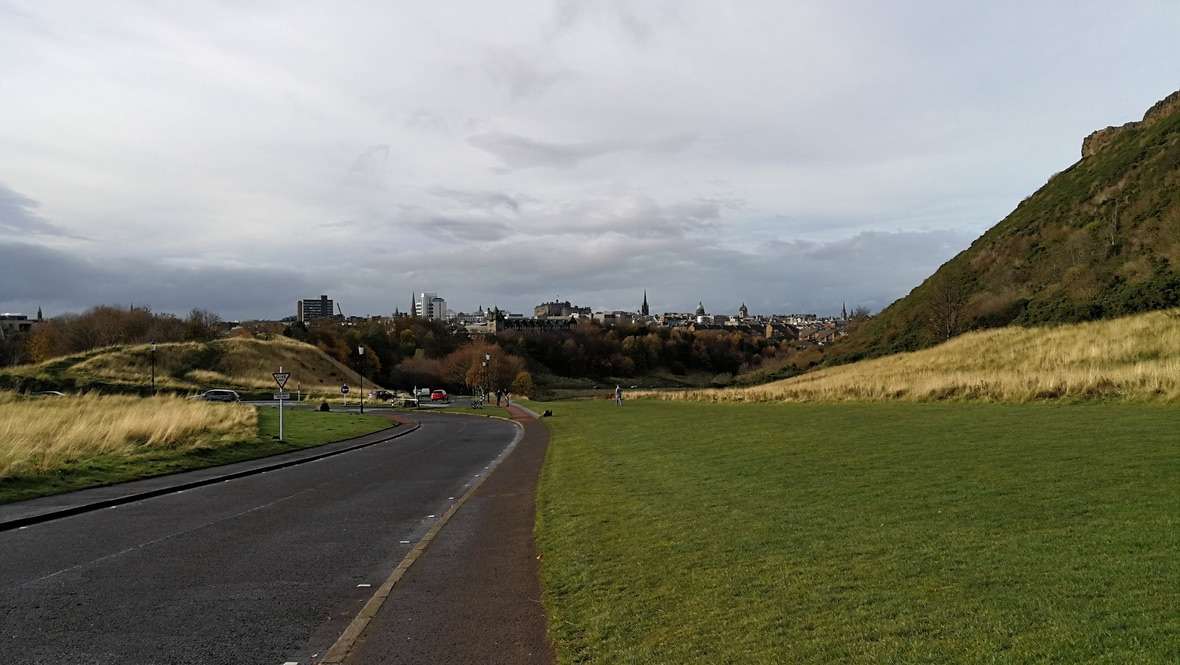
(793, 156)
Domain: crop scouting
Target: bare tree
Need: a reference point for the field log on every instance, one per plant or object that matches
(950, 290)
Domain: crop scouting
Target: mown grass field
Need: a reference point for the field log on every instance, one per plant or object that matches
(676, 532)
(54, 445)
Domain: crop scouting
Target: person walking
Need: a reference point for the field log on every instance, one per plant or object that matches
(618, 395)
(507, 399)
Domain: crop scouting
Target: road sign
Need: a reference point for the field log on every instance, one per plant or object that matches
(282, 396)
(344, 389)
(281, 378)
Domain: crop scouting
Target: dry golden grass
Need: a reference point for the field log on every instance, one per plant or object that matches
(44, 435)
(240, 363)
(1133, 358)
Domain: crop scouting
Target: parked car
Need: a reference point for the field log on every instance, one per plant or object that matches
(220, 395)
(407, 402)
(49, 393)
(381, 395)
(423, 393)
(438, 395)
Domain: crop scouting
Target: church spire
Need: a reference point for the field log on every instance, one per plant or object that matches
(644, 309)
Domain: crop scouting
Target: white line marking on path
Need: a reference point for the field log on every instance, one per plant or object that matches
(405, 542)
(363, 586)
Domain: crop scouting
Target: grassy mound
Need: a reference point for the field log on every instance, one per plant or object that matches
(239, 363)
(1132, 358)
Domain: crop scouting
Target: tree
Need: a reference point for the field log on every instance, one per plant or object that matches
(950, 290)
(523, 383)
(45, 342)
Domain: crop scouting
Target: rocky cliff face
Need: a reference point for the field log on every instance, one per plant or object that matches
(1101, 138)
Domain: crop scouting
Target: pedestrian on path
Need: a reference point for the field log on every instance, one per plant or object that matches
(507, 399)
(618, 395)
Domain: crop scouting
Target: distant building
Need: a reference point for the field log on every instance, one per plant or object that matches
(743, 311)
(310, 309)
(615, 317)
(14, 324)
(644, 310)
(559, 310)
(428, 305)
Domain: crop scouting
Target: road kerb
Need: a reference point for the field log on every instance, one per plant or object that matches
(339, 651)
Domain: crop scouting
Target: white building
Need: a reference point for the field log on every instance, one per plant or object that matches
(429, 306)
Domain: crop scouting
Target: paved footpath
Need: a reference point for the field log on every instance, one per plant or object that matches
(475, 595)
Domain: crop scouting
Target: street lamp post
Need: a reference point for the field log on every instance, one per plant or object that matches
(153, 367)
(361, 351)
(487, 374)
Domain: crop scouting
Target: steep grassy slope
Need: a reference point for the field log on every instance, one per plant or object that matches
(1100, 239)
(238, 363)
(1130, 358)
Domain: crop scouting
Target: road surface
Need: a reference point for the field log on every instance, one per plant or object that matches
(263, 569)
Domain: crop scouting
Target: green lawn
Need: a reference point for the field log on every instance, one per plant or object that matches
(679, 532)
(304, 429)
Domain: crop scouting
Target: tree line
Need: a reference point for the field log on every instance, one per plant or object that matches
(409, 352)
(106, 325)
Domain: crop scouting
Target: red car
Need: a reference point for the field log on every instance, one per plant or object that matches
(438, 395)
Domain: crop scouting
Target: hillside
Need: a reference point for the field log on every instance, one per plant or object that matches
(1129, 358)
(1100, 239)
(239, 363)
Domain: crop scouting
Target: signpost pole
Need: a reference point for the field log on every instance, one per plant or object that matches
(280, 408)
(280, 378)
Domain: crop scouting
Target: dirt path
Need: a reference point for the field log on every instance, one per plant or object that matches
(475, 595)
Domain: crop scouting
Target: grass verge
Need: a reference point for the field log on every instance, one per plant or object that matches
(93, 465)
(891, 532)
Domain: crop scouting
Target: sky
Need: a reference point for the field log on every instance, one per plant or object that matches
(237, 156)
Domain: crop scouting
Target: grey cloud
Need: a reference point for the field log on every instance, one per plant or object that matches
(521, 75)
(371, 160)
(637, 22)
(427, 121)
(470, 229)
(521, 152)
(34, 276)
(18, 215)
(481, 200)
(634, 216)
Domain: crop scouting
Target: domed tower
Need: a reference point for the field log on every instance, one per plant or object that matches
(744, 311)
(701, 308)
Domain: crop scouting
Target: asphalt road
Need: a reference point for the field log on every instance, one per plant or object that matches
(263, 569)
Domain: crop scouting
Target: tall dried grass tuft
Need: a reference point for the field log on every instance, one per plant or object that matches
(42, 435)
(1132, 358)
